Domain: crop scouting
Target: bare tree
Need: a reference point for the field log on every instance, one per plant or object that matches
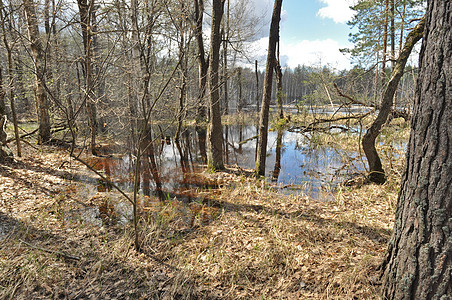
(377, 173)
(87, 12)
(39, 64)
(12, 95)
(263, 120)
(183, 42)
(279, 92)
(202, 78)
(2, 94)
(225, 39)
(215, 131)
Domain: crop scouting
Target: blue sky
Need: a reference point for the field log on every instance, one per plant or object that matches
(312, 20)
(312, 32)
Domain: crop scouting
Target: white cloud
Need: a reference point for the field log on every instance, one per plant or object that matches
(310, 53)
(338, 10)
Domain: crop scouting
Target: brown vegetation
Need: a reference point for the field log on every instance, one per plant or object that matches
(241, 241)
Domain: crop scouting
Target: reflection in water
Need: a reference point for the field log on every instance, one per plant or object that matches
(277, 168)
(293, 161)
(149, 167)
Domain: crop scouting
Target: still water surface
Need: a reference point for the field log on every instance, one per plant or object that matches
(295, 164)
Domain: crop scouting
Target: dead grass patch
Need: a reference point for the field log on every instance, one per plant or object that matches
(255, 244)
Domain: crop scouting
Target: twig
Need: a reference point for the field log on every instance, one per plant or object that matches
(55, 130)
(22, 136)
(350, 98)
(158, 260)
(312, 126)
(103, 178)
(29, 144)
(248, 139)
(65, 255)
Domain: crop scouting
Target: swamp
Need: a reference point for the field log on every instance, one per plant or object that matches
(312, 228)
(154, 149)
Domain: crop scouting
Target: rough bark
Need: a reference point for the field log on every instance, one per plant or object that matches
(257, 85)
(4, 152)
(225, 106)
(385, 44)
(240, 92)
(203, 68)
(392, 33)
(12, 98)
(137, 66)
(3, 134)
(279, 92)
(39, 69)
(2, 95)
(86, 13)
(377, 174)
(20, 87)
(263, 120)
(419, 261)
(135, 74)
(215, 130)
(225, 37)
(12, 84)
(183, 59)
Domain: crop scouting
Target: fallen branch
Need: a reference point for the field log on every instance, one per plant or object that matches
(55, 130)
(313, 126)
(248, 139)
(103, 178)
(65, 255)
(22, 136)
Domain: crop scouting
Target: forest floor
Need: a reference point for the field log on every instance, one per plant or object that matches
(242, 241)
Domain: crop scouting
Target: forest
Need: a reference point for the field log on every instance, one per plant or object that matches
(148, 151)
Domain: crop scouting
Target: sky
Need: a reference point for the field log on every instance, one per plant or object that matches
(311, 32)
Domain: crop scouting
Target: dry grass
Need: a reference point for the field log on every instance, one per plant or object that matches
(242, 241)
(264, 245)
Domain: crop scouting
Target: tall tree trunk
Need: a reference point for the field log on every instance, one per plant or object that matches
(183, 59)
(12, 96)
(240, 92)
(48, 46)
(2, 95)
(39, 69)
(376, 90)
(385, 44)
(86, 12)
(402, 27)
(402, 24)
(263, 120)
(136, 61)
(257, 85)
(215, 131)
(279, 92)
(202, 80)
(225, 61)
(377, 174)
(392, 33)
(225, 71)
(419, 261)
(19, 87)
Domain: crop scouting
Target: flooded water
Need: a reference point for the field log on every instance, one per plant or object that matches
(295, 163)
(171, 171)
